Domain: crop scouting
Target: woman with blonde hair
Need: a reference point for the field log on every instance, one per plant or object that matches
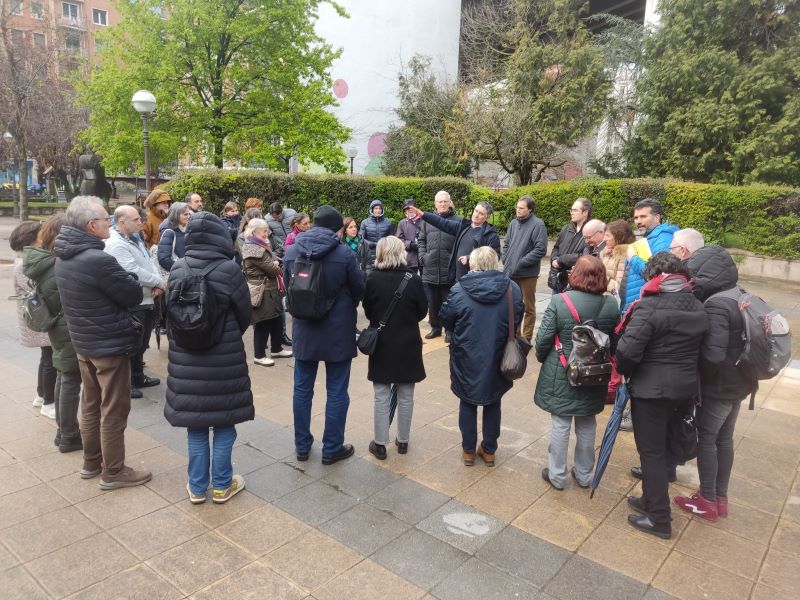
(397, 360)
(477, 312)
(263, 273)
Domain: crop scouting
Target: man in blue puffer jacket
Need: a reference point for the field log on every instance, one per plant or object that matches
(372, 229)
(648, 215)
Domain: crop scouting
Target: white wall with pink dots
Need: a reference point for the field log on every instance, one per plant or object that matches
(376, 41)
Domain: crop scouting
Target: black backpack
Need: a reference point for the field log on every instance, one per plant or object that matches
(306, 296)
(193, 315)
(36, 313)
(589, 362)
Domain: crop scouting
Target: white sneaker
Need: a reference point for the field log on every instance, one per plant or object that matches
(281, 354)
(48, 410)
(264, 362)
(38, 400)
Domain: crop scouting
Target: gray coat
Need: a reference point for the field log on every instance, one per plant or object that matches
(524, 246)
(278, 230)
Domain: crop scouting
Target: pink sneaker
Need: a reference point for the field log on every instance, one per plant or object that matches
(722, 506)
(697, 505)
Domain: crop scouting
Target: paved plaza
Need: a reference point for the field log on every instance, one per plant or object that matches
(415, 526)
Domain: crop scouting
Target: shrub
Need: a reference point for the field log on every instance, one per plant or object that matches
(764, 219)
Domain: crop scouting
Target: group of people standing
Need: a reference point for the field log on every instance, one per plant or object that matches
(102, 282)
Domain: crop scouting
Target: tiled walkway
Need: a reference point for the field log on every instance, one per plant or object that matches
(415, 526)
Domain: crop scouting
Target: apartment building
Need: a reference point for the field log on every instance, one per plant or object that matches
(66, 26)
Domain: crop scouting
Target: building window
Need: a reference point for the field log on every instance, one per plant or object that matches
(37, 12)
(17, 36)
(39, 41)
(15, 7)
(72, 42)
(99, 17)
(70, 11)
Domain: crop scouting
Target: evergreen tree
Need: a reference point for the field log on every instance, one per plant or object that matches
(719, 96)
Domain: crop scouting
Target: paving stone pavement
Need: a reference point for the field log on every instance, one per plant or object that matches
(414, 526)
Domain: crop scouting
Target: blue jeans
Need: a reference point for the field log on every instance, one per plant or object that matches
(200, 458)
(337, 380)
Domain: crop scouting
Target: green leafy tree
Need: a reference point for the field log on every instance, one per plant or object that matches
(718, 97)
(239, 80)
(420, 147)
(535, 84)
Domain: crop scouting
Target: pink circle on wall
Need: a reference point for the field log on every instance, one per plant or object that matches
(340, 88)
(376, 144)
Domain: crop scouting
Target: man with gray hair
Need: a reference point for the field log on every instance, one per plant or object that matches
(686, 242)
(97, 295)
(131, 254)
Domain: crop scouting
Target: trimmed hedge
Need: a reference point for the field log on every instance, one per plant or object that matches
(762, 219)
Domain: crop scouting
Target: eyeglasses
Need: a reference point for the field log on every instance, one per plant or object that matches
(671, 248)
(106, 219)
(576, 210)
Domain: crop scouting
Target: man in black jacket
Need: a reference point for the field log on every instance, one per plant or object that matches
(723, 384)
(569, 245)
(435, 250)
(97, 295)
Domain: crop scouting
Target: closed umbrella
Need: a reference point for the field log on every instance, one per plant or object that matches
(392, 402)
(610, 435)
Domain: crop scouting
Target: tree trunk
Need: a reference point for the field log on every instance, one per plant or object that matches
(23, 188)
(218, 161)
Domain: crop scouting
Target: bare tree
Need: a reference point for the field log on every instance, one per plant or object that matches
(24, 73)
(533, 84)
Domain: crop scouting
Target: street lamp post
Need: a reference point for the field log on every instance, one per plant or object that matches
(145, 103)
(351, 152)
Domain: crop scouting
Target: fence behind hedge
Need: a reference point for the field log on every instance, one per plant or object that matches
(762, 219)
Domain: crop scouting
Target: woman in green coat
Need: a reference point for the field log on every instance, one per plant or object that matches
(38, 264)
(554, 394)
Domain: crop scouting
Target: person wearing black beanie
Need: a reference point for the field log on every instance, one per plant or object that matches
(328, 217)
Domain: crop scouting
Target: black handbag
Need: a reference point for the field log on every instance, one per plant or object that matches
(589, 362)
(557, 279)
(368, 339)
(515, 353)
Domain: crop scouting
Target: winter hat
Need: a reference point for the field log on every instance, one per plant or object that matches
(156, 197)
(329, 218)
(409, 202)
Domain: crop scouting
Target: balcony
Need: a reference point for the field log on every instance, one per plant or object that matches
(77, 23)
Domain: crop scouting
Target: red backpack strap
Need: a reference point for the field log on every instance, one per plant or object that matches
(571, 308)
(559, 347)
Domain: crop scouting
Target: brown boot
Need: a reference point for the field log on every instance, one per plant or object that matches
(127, 477)
(469, 459)
(487, 458)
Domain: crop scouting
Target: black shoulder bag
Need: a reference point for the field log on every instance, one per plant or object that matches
(368, 340)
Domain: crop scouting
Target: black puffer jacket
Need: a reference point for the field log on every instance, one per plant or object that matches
(96, 294)
(468, 238)
(714, 271)
(212, 387)
(435, 251)
(660, 346)
(476, 311)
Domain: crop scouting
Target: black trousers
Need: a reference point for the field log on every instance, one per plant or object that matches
(650, 420)
(145, 315)
(436, 294)
(268, 330)
(46, 376)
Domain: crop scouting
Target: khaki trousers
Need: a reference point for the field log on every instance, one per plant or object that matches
(104, 411)
(527, 286)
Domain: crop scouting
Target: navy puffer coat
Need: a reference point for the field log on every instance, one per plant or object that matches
(333, 337)
(96, 295)
(372, 229)
(207, 388)
(476, 311)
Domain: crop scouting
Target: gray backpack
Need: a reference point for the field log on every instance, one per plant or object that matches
(765, 333)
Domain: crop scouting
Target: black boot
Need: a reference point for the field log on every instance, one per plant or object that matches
(646, 524)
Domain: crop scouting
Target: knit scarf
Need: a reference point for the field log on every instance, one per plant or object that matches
(352, 242)
(254, 239)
